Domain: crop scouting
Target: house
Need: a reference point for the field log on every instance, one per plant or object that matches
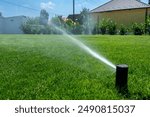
(11, 25)
(122, 11)
(76, 17)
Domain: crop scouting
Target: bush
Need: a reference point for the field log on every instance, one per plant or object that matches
(123, 30)
(78, 29)
(148, 25)
(31, 26)
(72, 27)
(106, 26)
(47, 29)
(56, 21)
(35, 29)
(138, 29)
(69, 25)
(95, 30)
(102, 26)
(111, 27)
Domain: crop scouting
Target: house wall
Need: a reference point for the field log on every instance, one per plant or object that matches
(11, 25)
(126, 17)
(1, 24)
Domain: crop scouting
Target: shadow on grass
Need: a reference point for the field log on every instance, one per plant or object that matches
(128, 95)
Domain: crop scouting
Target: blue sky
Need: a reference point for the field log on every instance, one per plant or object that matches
(54, 7)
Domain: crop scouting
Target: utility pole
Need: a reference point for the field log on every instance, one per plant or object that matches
(74, 10)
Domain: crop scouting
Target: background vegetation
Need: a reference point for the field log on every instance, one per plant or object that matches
(82, 25)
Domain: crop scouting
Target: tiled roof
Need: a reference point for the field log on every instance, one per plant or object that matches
(120, 5)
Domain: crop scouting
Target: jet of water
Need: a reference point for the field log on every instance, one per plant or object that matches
(86, 48)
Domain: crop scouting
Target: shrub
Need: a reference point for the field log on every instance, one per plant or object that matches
(31, 26)
(148, 25)
(107, 26)
(26, 28)
(103, 26)
(46, 29)
(78, 29)
(96, 30)
(69, 25)
(56, 21)
(138, 29)
(123, 30)
(111, 27)
(35, 29)
(73, 27)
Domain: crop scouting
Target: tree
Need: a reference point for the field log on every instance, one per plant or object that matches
(85, 20)
(44, 16)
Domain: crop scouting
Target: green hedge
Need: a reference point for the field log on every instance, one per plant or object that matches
(108, 26)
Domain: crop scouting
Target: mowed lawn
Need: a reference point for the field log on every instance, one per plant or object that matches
(52, 67)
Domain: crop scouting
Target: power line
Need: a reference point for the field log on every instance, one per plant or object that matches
(14, 4)
(33, 9)
(81, 2)
(38, 10)
(85, 3)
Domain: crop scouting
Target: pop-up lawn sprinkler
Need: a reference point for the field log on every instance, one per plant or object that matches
(122, 78)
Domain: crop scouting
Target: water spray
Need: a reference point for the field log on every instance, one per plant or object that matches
(87, 49)
(121, 70)
(122, 78)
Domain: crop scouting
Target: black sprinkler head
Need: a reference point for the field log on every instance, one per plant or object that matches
(122, 78)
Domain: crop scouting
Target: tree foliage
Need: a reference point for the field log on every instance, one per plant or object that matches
(83, 25)
(44, 16)
(56, 21)
(107, 26)
(85, 21)
(123, 30)
(148, 25)
(102, 26)
(138, 29)
(31, 26)
(112, 27)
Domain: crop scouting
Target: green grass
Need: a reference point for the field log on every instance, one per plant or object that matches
(51, 67)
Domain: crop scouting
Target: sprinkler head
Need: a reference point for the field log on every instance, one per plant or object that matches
(122, 78)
